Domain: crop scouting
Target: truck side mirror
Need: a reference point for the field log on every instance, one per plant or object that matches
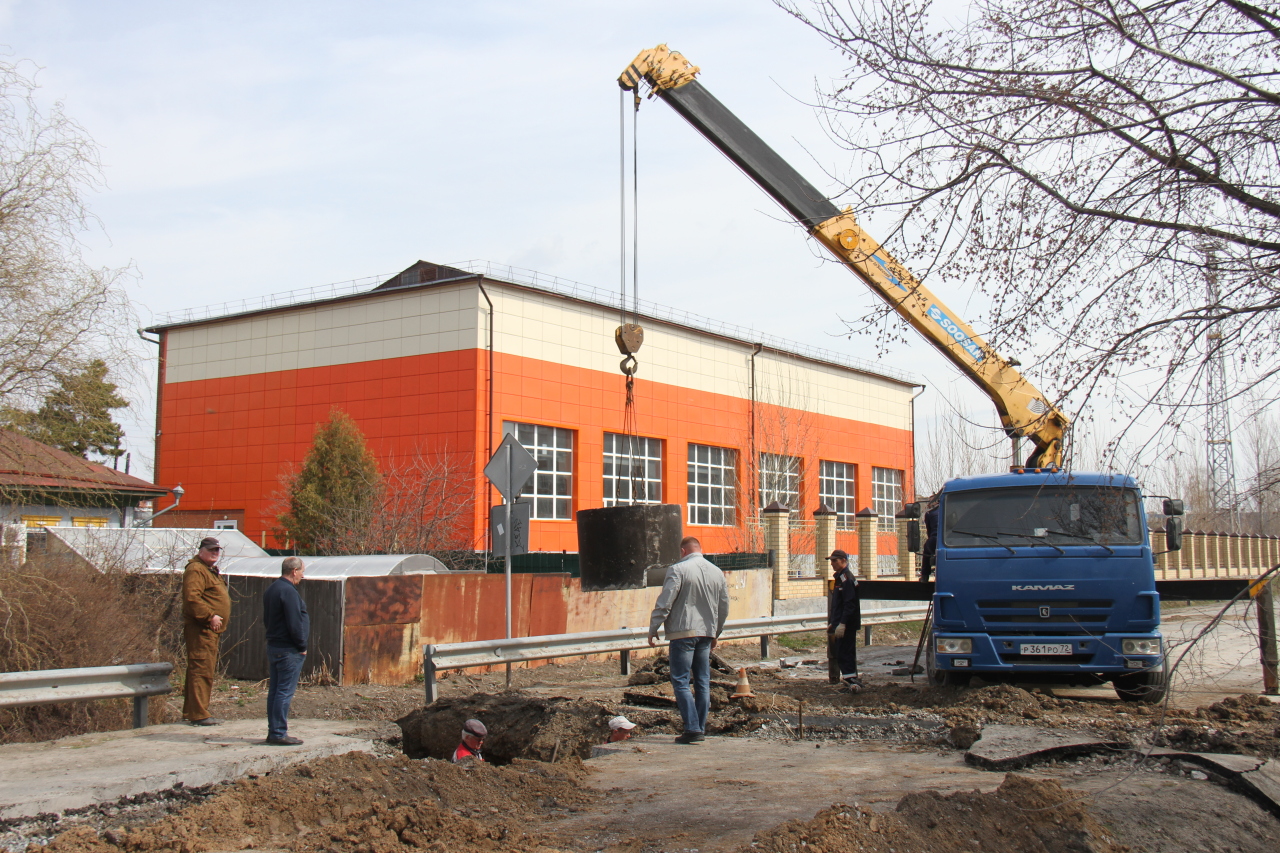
(1173, 532)
(1173, 506)
(913, 536)
(911, 510)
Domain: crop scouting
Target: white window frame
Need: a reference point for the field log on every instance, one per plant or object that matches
(837, 490)
(622, 455)
(886, 495)
(780, 480)
(550, 489)
(712, 486)
(226, 524)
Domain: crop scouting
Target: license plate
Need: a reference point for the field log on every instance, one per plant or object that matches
(1046, 648)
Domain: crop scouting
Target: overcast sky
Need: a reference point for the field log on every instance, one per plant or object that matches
(253, 148)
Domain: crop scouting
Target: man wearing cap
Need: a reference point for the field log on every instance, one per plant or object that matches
(844, 618)
(206, 609)
(693, 605)
(620, 728)
(287, 624)
(473, 734)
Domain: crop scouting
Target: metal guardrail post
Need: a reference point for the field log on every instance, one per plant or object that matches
(429, 674)
(624, 660)
(764, 647)
(140, 709)
(1266, 604)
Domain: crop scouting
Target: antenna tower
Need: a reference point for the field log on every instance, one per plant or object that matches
(1220, 457)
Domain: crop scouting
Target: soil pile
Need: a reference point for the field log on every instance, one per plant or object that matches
(1023, 815)
(519, 726)
(356, 802)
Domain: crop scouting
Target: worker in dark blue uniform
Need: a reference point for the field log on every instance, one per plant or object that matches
(844, 618)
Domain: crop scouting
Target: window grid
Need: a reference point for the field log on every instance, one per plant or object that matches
(629, 460)
(780, 480)
(886, 495)
(837, 490)
(551, 487)
(712, 494)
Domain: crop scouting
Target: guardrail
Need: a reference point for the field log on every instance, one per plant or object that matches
(624, 640)
(138, 682)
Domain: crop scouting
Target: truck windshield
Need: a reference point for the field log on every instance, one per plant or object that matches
(1054, 517)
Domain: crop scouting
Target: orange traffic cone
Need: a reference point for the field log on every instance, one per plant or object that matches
(743, 689)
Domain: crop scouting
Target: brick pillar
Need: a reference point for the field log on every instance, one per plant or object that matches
(906, 559)
(824, 537)
(777, 538)
(865, 523)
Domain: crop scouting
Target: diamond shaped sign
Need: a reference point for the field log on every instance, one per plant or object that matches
(510, 467)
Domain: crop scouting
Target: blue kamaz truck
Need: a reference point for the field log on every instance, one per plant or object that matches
(1048, 576)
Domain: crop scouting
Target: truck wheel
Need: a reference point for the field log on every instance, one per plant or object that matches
(1147, 687)
(942, 677)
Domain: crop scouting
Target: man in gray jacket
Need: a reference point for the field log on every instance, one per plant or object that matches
(693, 604)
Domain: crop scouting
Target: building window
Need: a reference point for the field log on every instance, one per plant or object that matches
(712, 479)
(225, 524)
(632, 470)
(551, 488)
(88, 521)
(886, 495)
(780, 480)
(41, 520)
(836, 491)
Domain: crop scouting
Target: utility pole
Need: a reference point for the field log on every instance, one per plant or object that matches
(1220, 456)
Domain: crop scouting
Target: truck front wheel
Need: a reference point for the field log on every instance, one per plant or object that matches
(942, 677)
(1147, 687)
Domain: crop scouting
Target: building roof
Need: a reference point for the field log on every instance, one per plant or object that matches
(423, 274)
(156, 548)
(29, 466)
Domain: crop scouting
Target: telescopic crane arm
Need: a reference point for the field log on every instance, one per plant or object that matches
(1024, 411)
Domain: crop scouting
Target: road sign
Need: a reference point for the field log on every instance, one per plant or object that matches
(521, 513)
(510, 467)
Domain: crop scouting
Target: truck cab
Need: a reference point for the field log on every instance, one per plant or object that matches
(1046, 576)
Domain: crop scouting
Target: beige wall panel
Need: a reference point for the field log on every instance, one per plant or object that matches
(550, 328)
(532, 325)
(378, 327)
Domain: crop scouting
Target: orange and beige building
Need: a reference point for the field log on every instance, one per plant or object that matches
(448, 359)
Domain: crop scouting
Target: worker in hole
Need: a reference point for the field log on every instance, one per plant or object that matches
(620, 728)
(473, 735)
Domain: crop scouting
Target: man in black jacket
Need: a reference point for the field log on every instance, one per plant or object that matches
(844, 618)
(284, 614)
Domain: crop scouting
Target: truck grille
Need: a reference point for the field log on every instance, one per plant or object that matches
(1022, 616)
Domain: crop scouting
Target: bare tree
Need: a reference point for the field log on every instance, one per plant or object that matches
(957, 443)
(56, 311)
(1104, 171)
(418, 504)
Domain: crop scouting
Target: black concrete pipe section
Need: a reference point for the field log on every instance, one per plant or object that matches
(618, 545)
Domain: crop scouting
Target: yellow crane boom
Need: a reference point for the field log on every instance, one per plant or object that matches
(1024, 411)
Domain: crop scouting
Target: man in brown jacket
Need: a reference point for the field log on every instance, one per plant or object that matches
(206, 608)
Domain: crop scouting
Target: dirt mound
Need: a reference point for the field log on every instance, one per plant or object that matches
(530, 727)
(360, 803)
(1022, 816)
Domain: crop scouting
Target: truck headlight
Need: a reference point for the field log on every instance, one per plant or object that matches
(1135, 646)
(954, 645)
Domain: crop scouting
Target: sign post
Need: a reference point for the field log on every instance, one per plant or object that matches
(509, 470)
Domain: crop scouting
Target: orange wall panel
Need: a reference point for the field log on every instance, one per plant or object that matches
(230, 440)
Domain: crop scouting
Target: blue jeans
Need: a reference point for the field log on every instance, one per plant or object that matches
(692, 656)
(284, 666)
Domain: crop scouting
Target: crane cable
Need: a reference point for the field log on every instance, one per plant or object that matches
(630, 428)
